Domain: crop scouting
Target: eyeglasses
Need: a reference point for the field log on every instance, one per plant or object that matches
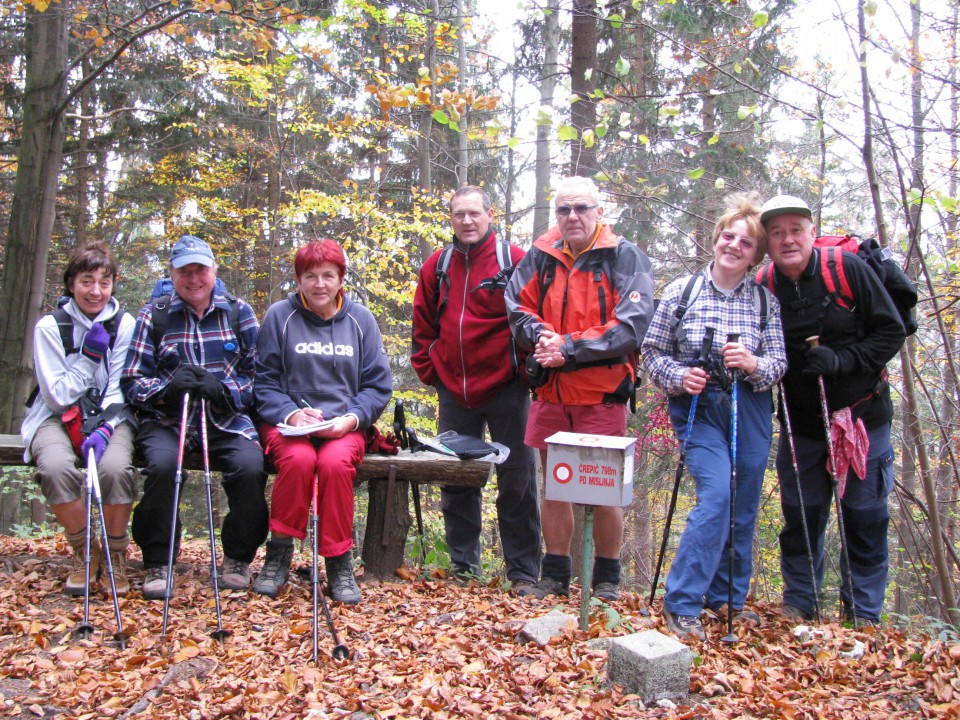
(579, 209)
(747, 243)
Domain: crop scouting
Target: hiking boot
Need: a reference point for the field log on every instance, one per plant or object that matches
(78, 570)
(685, 627)
(795, 614)
(118, 561)
(549, 586)
(522, 588)
(276, 569)
(846, 616)
(155, 583)
(235, 574)
(747, 617)
(340, 579)
(607, 591)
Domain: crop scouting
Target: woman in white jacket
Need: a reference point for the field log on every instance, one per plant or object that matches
(79, 352)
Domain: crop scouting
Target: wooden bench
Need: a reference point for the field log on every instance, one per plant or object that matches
(388, 478)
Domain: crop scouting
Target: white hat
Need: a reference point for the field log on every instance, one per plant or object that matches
(784, 205)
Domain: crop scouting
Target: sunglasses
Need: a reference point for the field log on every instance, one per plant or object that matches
(579, 209)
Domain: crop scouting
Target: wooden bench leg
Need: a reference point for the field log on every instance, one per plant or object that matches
(388, 522)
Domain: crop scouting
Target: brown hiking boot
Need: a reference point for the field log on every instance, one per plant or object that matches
(76, 579)
(118, 560)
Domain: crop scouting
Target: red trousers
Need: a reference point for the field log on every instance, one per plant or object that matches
(334, 463)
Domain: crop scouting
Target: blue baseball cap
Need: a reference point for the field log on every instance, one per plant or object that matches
(188, 250)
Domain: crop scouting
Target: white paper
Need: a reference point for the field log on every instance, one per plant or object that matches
(301, 430)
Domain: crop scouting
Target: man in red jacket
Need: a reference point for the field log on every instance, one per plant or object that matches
(462, 345)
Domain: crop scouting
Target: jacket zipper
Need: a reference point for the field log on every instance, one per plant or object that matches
(463, 310)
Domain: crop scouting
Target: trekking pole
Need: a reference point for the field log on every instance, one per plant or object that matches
(86, 629)
(400, 430)
(315, 577)
(730, 637)
(814, 341)
(705, 347)
(218, 634)
(177, 484)
(803, 509)
(340, 651)
(119, 635)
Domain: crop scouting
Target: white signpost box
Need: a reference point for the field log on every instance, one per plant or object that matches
(589, 470)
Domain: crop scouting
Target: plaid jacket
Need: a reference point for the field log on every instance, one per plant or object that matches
(209, 342)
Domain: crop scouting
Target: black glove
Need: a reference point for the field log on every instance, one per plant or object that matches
(184, 380)
(821, 360)
(210, 388)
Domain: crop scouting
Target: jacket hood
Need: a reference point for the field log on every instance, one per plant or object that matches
(111, 309)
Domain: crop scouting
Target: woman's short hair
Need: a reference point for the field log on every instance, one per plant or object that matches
(743, 206)
(317, 252)
(87, 258)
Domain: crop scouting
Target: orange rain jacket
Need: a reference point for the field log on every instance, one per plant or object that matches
(601, 302)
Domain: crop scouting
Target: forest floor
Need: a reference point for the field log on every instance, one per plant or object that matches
(419, 648)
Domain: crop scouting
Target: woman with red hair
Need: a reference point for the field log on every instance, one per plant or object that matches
(320, 357)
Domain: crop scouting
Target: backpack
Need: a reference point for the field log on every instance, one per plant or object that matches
(160, 299)
(761, 305)
(497, 282)
(899, 287)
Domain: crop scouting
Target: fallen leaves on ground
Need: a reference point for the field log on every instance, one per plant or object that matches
(419, 648)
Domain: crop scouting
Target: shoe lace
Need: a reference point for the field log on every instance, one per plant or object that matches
(343, 579)
(272, 569)
(156, 573)
(688, 622)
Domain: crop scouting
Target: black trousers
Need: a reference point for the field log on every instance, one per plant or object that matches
(241, 462)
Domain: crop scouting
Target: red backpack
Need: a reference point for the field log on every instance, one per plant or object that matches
(899, 287)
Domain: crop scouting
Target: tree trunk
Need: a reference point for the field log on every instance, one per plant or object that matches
(33, 210)
(548, 84)
(463, 157)
(583, 67)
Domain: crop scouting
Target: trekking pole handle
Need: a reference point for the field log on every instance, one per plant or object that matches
(706, 345)
(814, 340)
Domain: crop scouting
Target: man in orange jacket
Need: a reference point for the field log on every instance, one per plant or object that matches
(580, 302)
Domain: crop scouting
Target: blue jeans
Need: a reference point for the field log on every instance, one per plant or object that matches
(700, 573)
(518, 510)
(865, 518)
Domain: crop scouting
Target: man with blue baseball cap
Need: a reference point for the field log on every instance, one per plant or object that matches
(198, 340)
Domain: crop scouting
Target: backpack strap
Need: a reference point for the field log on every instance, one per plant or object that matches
(761, 306)
(65, 326)
(160, 316)
(834, 278)
(691, 290)
(504, 258)
(443, 282)
(765, 277)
